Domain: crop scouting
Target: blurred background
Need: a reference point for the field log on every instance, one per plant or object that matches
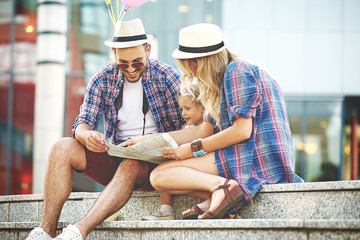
(312, 48)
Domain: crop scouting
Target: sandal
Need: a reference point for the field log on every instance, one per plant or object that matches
(232, 197)
(195, 211)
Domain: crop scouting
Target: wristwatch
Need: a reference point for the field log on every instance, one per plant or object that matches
(196, 146)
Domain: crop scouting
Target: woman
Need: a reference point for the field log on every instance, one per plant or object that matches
(254, 144)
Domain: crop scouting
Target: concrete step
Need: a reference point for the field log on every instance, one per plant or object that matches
(317, 229)
(320, 200)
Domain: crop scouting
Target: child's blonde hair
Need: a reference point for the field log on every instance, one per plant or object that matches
(190, 89)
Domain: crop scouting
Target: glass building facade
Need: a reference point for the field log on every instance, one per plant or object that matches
(323, 123)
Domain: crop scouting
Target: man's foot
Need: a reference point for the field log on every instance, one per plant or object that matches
(158, 216)
(71, 232)
(38, 234)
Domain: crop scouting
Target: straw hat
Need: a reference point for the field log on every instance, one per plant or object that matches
(199, 40)
(128, 34)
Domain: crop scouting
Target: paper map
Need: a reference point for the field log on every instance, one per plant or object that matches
(148, 150)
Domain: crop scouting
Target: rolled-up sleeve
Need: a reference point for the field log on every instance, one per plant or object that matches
(91, 108)
(241, 92)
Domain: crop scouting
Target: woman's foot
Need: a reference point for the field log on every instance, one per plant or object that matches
(196, 210)
(223, 198)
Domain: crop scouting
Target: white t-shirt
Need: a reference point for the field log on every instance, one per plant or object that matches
(130, 116)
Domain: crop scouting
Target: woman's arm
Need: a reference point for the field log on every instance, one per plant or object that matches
(238, 132)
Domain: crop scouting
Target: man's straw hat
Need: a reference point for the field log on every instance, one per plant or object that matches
(128, 34)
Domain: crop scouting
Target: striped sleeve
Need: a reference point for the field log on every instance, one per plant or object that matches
(241, 91)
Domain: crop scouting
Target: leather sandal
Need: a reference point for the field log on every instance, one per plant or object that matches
(232, 197)
(195, 211)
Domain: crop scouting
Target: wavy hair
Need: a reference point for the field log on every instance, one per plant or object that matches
(210, 71)
(190, 89)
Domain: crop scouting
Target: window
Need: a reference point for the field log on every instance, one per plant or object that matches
(316, 129)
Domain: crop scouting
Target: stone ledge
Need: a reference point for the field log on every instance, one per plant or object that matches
(269, 188)
(315, 224)
(255, 229)
(312, 186)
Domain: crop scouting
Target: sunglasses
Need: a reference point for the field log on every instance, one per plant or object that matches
(134, 65)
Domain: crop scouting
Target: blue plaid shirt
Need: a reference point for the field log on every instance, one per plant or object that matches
(161, 83)
(267, 157)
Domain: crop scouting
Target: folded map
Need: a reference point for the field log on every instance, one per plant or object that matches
(148, 150)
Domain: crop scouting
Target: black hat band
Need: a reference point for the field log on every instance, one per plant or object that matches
(201, 49)
(130, 38)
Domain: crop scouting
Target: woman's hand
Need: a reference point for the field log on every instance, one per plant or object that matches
(180, 153)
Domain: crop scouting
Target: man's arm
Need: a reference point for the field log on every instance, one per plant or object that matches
(92, 140)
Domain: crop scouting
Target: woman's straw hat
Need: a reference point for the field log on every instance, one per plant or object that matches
(199, 40)
(128, 34)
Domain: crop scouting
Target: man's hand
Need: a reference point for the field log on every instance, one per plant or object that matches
(180, 153)
(95, 141)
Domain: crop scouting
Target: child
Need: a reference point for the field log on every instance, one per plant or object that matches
(192, 112)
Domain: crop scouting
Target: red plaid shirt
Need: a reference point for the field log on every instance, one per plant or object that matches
(161, 83)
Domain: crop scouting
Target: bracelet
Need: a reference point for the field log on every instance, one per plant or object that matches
(199, 153)
(197, 149)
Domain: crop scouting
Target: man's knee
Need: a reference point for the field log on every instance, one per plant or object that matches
(138, 170)
(68, 150)
(132, 166)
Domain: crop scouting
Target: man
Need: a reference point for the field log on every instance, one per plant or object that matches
(136, 96)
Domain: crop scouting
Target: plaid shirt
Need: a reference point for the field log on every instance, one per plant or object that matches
(267, 156)
(161, 83)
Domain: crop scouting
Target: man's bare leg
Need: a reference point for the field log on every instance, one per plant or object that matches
(115, 195)
(65, 154)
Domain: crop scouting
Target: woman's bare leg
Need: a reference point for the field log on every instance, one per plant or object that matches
(185, 176)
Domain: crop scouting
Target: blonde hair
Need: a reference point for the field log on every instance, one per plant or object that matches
(210, 71)
(190, 89)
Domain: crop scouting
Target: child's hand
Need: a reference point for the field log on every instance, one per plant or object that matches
(129, 142)
(180, 153)
(136, 140)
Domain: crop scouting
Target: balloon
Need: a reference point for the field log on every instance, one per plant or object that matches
(133, 3)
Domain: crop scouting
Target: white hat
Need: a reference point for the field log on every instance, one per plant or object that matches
(199, 40)
(128, 34)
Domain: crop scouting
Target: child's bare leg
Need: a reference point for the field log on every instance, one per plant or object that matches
(166, 211)
(166, 203)
(165, 198)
